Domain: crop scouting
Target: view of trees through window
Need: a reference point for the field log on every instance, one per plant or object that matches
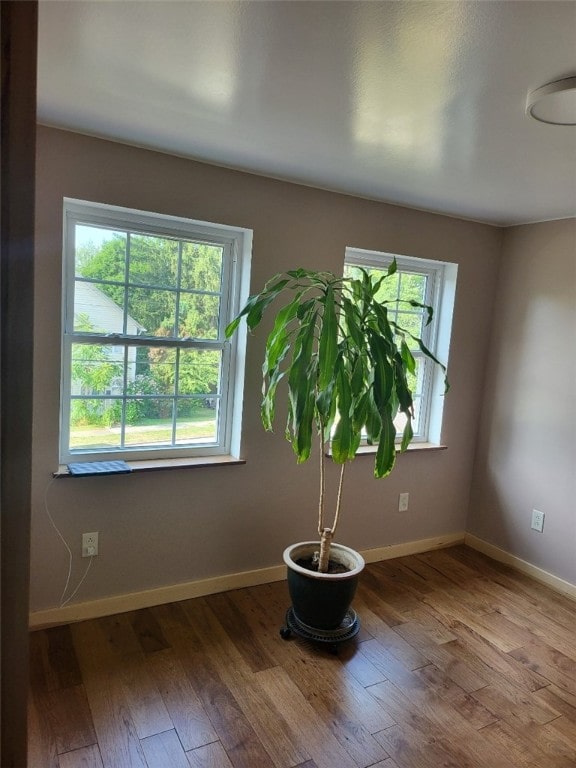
(145, 362)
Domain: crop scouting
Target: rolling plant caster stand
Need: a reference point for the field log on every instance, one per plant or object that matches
(348, 629)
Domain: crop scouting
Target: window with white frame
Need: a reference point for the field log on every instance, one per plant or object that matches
(426, 282)
(146, 369)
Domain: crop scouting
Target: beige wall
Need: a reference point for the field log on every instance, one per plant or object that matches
(527, 445)
(162, 528)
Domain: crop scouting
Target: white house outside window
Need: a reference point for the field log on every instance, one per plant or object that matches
(146, 370)
(427, 282)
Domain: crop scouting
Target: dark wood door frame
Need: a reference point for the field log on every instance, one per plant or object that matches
(19, 56)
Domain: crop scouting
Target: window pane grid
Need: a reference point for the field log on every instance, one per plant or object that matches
(130, 292)
(124, 380)
(178, 303)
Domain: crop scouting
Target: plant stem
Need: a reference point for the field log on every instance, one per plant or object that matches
(327, 534)
(324, 533)
(325, 541)
(322, 481)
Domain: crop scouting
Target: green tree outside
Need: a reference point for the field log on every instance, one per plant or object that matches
(156, 286)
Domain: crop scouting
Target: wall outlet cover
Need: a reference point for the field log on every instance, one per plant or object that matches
(90, 544)
(537, 520)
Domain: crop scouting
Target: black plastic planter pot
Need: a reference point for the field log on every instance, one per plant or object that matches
(321, 600)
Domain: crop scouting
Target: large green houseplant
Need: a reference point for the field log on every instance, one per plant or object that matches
(347, 365)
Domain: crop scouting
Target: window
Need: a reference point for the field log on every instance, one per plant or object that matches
(426, 282)
(146, 370)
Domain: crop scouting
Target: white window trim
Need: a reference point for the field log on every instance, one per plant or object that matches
(441, 292)
(237, 244)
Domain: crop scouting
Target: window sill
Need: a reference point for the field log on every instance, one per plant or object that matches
(154, 465)
(369, 450)
(411, 447)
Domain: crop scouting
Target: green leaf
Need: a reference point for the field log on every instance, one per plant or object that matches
(329, 420)
(250, 304)
(305, 432)
(382, 322)
(407, 357)
(403, 391)
(342, 442)
(360, 413)
(373, 422)
(377, 283)
(272, 282)
(383, 373)
(357, 289)
(231, 327)
(297, 273)
(325, 401)
(255, 313)
(267, 409)
(351, 323)
(357, 380)
(355, 443)
(427, 307)
(386, 452)
(301, 382)
(305, 308)
(407, 434)
(256, 304)
(276, 345)
(327, 350)
(429, 354)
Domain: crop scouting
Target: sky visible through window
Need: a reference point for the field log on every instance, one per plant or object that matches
(96, 236)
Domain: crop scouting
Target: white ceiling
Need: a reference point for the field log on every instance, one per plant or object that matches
(418, 103)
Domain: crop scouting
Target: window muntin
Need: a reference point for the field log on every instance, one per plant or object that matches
(418, 280)
(147, 372)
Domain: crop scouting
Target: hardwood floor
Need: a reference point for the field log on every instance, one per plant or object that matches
(460, 663)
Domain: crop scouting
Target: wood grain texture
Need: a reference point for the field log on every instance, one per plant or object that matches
(87, 757)
(461, 663)
(164, 749)
(210, 756)
(185, 709)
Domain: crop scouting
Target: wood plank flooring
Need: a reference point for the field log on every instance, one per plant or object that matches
(460, 663)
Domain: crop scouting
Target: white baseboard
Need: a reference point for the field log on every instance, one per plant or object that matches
(412, 547)
(132, 601)
(539, 574)
(184, 591)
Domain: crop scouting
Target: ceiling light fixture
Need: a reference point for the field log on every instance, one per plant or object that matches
(554, 103)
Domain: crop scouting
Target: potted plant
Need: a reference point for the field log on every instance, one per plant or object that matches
(347, 365)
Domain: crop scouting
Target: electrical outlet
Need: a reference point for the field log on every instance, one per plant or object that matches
(89, 544)
(537, 521)
(403, 502)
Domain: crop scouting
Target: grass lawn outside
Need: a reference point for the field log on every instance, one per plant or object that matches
(148, 432)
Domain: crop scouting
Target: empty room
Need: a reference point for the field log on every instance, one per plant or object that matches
(288, 377)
